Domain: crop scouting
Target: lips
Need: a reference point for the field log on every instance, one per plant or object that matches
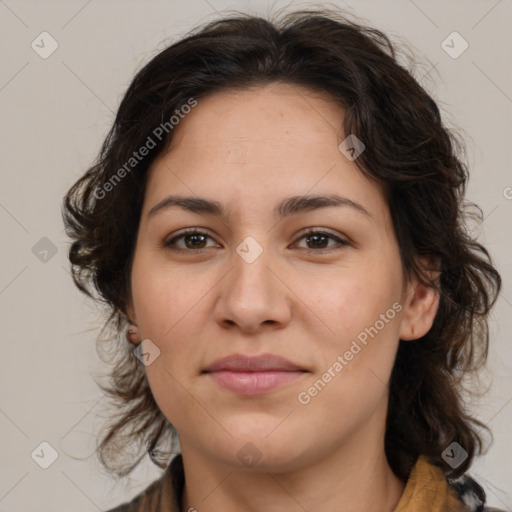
(253, 375)
(255, 363)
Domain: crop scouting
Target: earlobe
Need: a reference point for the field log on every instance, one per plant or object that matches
(132, 335)
(419, 312)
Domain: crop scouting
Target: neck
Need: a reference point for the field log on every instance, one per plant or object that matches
(353, 477)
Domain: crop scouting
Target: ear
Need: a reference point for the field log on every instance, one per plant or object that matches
(132, 334)
(419, 308)
(130, 312)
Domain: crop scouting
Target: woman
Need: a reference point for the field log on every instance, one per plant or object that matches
(276, 222)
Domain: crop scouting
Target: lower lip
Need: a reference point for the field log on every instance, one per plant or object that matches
(254, 383)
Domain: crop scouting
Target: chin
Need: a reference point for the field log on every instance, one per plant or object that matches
(254, 449)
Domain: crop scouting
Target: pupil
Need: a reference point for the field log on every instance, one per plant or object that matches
(316, 237)
(193, 236)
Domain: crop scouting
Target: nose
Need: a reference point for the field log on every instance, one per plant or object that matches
(253, 296)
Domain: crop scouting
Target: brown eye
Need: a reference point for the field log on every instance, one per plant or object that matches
(192, 240)
(317, 241)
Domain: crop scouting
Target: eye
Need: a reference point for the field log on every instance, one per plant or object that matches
(319, 238)
(195, 241)
(192, 238)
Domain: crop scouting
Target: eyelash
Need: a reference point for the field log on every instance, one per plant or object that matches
(170, 243)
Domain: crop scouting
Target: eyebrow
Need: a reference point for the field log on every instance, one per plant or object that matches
(287, 207)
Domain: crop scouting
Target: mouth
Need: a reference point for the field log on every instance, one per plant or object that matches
(253, 375)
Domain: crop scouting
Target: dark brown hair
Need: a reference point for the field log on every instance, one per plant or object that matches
(409, 152)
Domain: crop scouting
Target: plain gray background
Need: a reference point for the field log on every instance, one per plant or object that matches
(55, 114)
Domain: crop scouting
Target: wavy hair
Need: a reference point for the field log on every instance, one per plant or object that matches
(409, 151)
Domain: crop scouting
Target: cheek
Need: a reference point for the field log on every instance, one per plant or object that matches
(355, 298)
(164, 309)
(163, 296)
(171, 396)
(357, 360)
(168, 306)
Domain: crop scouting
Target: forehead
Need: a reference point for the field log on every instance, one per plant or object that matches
(259, 145)
(242, 116)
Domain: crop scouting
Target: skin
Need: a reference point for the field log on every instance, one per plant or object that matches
(249, 150)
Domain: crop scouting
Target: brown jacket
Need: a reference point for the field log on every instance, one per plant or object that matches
(426, 490)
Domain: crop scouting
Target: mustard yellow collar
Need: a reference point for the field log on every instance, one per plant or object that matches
(427, 489)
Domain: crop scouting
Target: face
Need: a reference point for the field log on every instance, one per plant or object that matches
(318, 285)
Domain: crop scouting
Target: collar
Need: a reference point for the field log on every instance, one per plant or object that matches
(428, 489)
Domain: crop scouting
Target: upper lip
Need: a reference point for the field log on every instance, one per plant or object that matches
(253, 363)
